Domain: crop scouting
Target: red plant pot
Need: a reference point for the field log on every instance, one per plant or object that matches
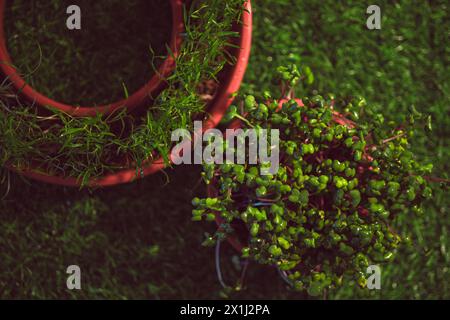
(136, 99)
(232, 79)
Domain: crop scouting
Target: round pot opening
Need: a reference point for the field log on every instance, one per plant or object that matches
(83, 65)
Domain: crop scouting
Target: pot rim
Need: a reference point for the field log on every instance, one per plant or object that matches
(134, 100)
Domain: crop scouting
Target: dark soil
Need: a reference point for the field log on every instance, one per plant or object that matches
(90, 66)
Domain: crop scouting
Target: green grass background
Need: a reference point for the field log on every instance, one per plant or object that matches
(137, 241)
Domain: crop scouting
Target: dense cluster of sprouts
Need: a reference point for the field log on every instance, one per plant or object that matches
(344, 175)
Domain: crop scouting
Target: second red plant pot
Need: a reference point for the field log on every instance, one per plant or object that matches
(231, 79)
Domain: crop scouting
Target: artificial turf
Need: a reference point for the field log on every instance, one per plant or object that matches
(137, 240)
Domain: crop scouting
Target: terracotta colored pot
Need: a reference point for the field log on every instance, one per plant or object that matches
(230, 83)
(136, 99)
